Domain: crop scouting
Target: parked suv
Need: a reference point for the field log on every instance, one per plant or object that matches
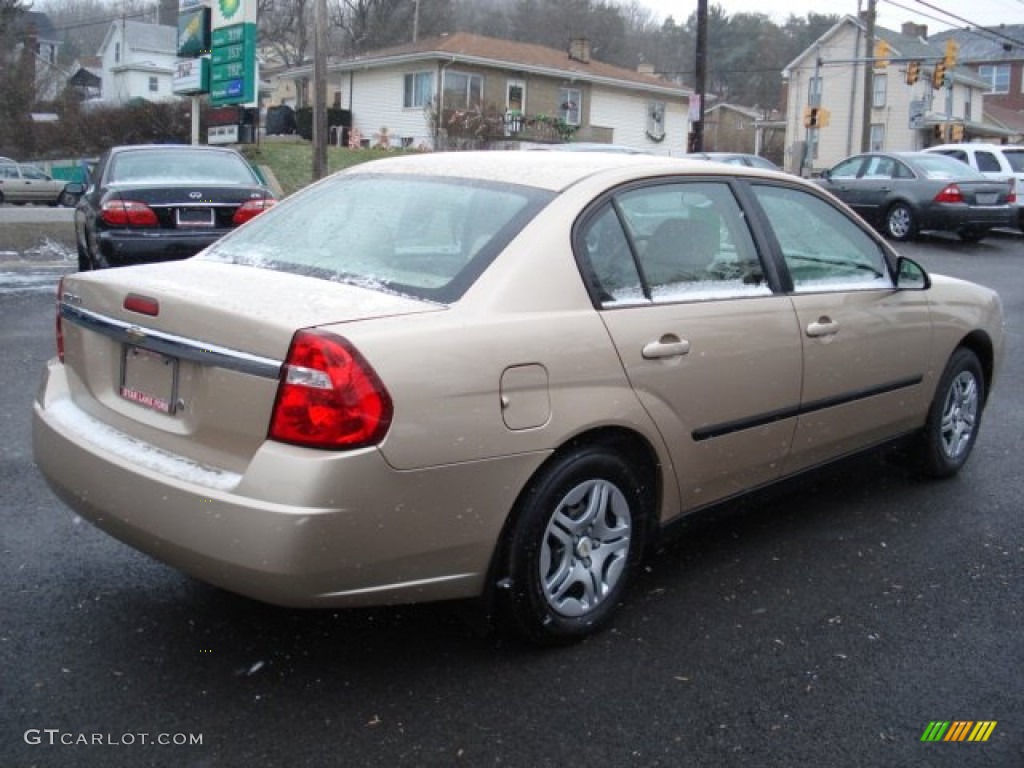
(996, 161)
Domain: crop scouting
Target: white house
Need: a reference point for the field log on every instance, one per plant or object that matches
(904, 116)
(461, 87)
(138, 61)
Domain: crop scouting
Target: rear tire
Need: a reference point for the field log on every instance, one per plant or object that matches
(953, 418)
(900, 222)
(580, 528)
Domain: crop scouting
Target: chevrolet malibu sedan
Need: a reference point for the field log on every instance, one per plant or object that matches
(497, 376)
(903, 193)
(151, 203)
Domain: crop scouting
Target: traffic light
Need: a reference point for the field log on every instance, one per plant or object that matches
(816, 117)
(939, 75)
(882, 52)
(913, 72)
(952, 49)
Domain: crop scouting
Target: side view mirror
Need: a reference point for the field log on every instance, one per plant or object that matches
(826, 175)
(911, 276)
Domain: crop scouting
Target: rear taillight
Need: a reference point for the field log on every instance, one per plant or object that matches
(1012, 197)
(329, 396)
(951, 194)
(251, 210)
(128, 213)
(60, 321)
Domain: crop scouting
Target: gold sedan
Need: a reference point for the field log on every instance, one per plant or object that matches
(498, 376)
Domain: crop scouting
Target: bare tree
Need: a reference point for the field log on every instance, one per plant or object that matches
(285, 28)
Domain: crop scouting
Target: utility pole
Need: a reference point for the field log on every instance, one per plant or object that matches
(700, 85)
(869, 73)
(320, 90)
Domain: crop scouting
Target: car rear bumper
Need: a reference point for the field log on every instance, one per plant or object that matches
(956, 217)
(344, 529)
(122, 247)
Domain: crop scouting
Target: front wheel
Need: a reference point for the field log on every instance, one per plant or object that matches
(900, 222)
(579, 529)
(954, 417)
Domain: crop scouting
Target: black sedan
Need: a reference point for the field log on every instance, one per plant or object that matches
(163, 202)
(903, 193)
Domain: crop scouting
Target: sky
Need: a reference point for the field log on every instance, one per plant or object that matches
(890, 15)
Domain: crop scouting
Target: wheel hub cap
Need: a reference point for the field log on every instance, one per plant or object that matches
(585, 548)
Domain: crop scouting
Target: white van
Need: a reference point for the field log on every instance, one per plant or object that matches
(997, 161)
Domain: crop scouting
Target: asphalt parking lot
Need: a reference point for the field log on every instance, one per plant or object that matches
(827, 623)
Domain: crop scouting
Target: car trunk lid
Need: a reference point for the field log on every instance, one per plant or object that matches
(186, 356)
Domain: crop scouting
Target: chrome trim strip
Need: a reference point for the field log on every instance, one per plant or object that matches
(174, 346)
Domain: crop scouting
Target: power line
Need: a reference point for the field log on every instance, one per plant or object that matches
(969, 24)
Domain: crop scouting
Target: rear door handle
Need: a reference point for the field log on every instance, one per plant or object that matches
(824, 326)
(669, 345)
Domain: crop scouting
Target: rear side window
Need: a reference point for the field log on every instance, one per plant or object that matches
(1015, 157)
(987, 162)
(685, 241)
(420, 236)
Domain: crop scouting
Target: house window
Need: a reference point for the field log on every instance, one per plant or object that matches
(877, 138)
(154, 85)
(656, 120)
(463, 91)
(879, 85)
(117, 53)
(814, 92)
(419, 90)
(967, 106)
(997, 76)
(570, 102)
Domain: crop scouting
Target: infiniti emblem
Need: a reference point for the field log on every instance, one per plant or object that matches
(195, 195)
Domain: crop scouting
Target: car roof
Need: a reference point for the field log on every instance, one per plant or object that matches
(554, 171)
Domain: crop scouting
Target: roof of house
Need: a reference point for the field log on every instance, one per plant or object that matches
(1008, 118)
(981, 44)
(903, 46)
(493, 52)
(746, 111)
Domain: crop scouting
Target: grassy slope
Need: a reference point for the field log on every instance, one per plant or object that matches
(292, 162)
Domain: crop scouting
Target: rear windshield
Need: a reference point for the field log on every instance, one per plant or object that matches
(935, 166)
(427, 237)
(180, 164)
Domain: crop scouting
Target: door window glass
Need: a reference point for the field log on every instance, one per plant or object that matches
(824, 249)
(673, 242)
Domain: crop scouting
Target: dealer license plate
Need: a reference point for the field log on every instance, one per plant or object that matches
(195, 217)
(149, 378)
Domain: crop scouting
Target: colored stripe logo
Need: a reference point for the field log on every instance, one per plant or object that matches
(958, 730)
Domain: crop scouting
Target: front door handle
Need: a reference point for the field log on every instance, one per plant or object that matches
(824, 326)
(669, 345)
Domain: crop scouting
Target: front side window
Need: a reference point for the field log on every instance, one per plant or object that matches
(997, 76)
(823, 248)
(847, 169)
(463, 91)
(685, 241)
(418, 90)
(570, 102)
